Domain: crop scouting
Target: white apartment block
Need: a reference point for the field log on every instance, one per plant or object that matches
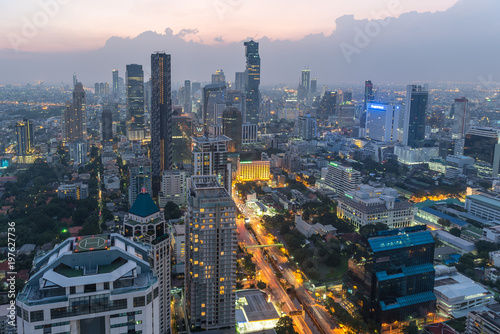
(95, 284)
(483, 206)
(174, 186)
(341, 178)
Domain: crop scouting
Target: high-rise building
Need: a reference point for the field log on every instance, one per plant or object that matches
(341, 179)
(347, 96)
(135, 102)
(252, 110)
(78, 152)
(116, 87)
(25, 136)
(307, 127)
(328, 105)
(415, 114)
(394, 279)
(369, 97)
(210, 278)
(174, 187)
(249, 133)
(254, 170)
(91, 284)
(232, 122)
(346, 115)
(140, 178)
(161, 117)
(236, 98)
(382, 121)
(305, 81)
(239, 81)
(483, 144)
(214, 103)
(483, 322)
(75, 117)
(182, 131)
(145, 223)
(210, 157)
(460, 117)
(219, 78)
(314, 86)
(188, 103)
(74, 80)
(107, 123)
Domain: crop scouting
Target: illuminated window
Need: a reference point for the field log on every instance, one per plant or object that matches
(202, 305)
(202, 313)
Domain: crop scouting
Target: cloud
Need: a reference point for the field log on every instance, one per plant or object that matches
(219, 39)
(185, 32)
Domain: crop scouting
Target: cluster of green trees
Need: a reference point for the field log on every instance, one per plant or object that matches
(244, 188)
(172, 211)
(285, 326)
(469, 261)
(355, 323)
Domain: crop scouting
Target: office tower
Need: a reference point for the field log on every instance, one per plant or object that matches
(266, 114)
(116, 88)
(239, 81)
(346, 115)
(210, 157)
(161, 117)
(107, 124)
(195, 87)
(328, 105)
(460, 118)
(382, 121)
(367, 204)
(252, 72)
(341, 179)
(25, 136)
(188, 104)
(414, 119)
(305, 81)
(90, 284)
(249, 133)
(347, 96)
(369, 97)
(147, 98)
(236, 98)
(307, 127)
(314, 86)
(394, 279)
(97, 89)
(483, 144)
(78, 152)
(210, 255)
(135, 102)
(75, 117)
(140, 178)
(174, 188)
(214, 103)
(74, 80)
(121, 87)
(182, 131)
(219, 78)
(232, 122)
(145, 223)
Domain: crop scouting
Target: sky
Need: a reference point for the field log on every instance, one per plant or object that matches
(72, 25)
(400, 41)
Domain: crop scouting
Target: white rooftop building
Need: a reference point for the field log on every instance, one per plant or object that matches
(308, 230)
(457, 294)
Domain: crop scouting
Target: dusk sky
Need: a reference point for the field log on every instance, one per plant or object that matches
(83, 25)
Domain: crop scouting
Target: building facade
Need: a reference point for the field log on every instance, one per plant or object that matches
(140, 177)
(134, 81)
(252, 82)
(25, 136)
(254, 170)
(210, 277)
(75, 117)
(341, 178)
(174, 187)
(415, 115)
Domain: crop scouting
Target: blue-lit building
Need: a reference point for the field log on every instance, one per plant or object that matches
(391, 276)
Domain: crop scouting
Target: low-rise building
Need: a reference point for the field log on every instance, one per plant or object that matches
(484, 322)
(254, 313)
(460, 245)
(308, 230)
(76, 191)
(483, 206)
(457, 294)
(369, 205)
(492, 234)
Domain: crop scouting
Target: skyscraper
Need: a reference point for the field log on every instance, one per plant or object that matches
(307, 127)
(210, 157)
(146, 224)
(253, 81)
(232, 122)
(460, 117)
(188, 103)
(210, 255)
(314, 85)
(219, 78)
(305, 81)
(182, 131)
(25, 141)
(483, 144)
(135, 102)
(414, 119)
(239, 81)
(161, 117)
(116, 87)
(107, 123)
(382, 121)
(214, 103)
(75, 117)
(328, 105)
(140, 178)
(368, 98)
(74, 80)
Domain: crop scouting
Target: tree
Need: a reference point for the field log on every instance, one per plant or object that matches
(444, 222)
(285, 326)
(172, 211)
(456, 232)
(261, 285)
(410, 329)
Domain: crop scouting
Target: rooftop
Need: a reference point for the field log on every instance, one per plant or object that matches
(379, 244)
(144, 205)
